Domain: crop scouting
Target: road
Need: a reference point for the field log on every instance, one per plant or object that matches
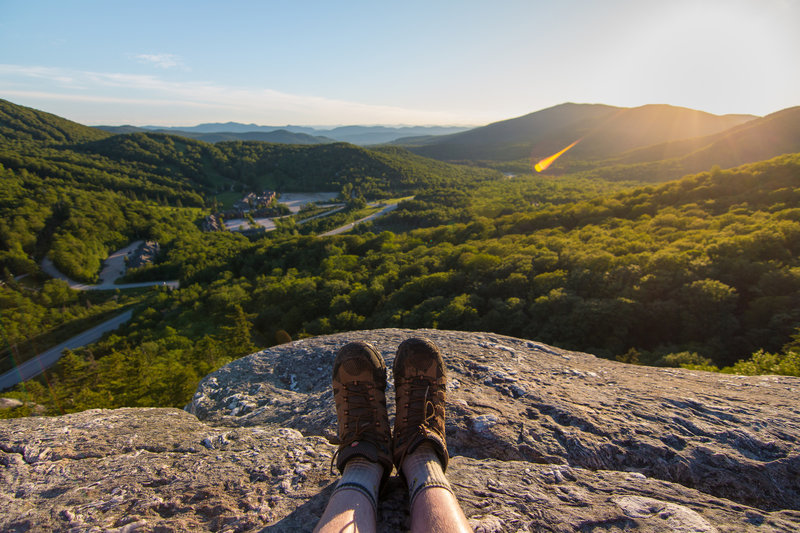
(268, 223)
(113, 268)
(296, 200)
(351, 225)
(46, 359)
(324, 214)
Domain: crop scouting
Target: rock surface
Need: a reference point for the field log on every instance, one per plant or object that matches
(542, 439)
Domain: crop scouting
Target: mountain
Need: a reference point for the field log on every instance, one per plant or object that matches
(367, 135)
(539, 439)
(173, 166)
(275, 136)
(513, 138)
(283, 167)
(282, 136)
(752, 141)
(74, 193)
(646, 125)
(231, 131)
(116, 130)
(230, 127)
(603, 131)
(24, 123)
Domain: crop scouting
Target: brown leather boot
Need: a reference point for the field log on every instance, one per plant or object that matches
(359, 389)
(420, 381)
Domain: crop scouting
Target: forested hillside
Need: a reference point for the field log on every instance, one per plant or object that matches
(708, 264)
(756, 140)
(76, 193)
(604, 131)
(274, 136)
(704, 270)
(24, 123)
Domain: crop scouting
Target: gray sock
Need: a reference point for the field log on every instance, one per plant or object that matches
(423, 471)
(362, 475)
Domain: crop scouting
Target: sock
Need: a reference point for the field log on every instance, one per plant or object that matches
(423, 470)
(362, 475)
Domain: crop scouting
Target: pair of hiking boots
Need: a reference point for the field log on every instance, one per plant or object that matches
(359, 388)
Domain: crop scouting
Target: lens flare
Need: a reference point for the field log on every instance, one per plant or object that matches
(547, 161)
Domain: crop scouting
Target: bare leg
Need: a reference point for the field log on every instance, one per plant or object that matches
(352, 506)
(437, 510)
(348, 511)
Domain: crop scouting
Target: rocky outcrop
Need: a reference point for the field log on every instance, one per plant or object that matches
(542, 439)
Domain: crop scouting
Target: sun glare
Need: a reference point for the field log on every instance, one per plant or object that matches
(547, 161)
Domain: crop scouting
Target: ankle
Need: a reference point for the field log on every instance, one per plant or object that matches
(362, 475)
(422, 469)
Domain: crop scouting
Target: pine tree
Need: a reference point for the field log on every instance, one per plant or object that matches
(236, 334)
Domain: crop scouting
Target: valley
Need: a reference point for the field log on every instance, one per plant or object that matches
(689, 260)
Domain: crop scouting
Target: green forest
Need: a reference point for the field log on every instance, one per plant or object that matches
(702, 272)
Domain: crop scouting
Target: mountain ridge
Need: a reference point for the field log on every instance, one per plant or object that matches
(18, 122)
(603, 131)
(280, 136)
(359, 135)
(756, 140)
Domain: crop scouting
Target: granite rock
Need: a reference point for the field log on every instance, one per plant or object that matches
(541, 439)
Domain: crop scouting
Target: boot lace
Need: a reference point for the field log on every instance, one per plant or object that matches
(361, 414)
(419, 407)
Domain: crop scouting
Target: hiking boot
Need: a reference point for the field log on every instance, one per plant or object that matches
(419, 381)
(359, 389)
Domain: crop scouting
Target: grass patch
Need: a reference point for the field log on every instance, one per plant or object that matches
(227, 199)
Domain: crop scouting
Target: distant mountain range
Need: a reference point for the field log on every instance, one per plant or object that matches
(604, 131)
(651, 142)
(281, 136)
(235, 131)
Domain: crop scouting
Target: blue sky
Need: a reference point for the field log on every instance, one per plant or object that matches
(411, 62)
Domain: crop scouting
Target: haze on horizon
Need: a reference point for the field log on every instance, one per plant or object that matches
(358, 62)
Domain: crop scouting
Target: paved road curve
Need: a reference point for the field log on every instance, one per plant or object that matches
(44, 360)
(113, 268)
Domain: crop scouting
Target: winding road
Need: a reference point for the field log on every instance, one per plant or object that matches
(113, 268)
(37, 365)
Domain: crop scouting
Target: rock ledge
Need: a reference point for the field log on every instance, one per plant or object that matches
(542, 439)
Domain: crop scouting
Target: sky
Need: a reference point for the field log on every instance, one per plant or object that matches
(431, 62)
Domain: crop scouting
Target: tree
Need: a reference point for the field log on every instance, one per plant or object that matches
(237, 333)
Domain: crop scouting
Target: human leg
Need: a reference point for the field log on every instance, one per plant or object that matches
(363, 457)
(419, 446)
(351, 507)
(433, 505)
